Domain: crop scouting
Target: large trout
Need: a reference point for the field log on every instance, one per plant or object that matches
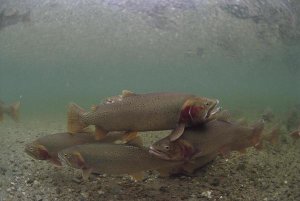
(47, 147)
(215, 136)
(144, 112)
(113, 159)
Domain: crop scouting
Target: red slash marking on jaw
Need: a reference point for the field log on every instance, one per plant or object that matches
(189, 113)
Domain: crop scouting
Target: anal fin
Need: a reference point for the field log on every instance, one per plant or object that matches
(138, 176)
(127, 137)
(100, 133)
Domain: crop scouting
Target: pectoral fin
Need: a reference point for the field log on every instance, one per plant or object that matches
(86, 173)
(100, 133)
(138, 176)
(177, 132)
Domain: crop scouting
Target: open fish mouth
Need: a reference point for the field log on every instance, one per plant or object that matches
(214, 109)
(158, 153)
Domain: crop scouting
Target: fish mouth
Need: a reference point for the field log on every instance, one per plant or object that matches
(158, 153)
(214, 109)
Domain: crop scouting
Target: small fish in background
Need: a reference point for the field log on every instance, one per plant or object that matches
(47, 147)
(143, 112)
(215, 136)
(295, 134)
(10, 110)
(11, 16)
(113, 159)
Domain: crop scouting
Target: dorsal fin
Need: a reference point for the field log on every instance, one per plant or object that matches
(127, 93)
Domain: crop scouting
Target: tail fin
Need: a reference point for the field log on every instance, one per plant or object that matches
(257, 132)
(75, 123)
(273, 136)
(14, 111)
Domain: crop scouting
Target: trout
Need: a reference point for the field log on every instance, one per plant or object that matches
(215, 136)
(47, 147)
(113, 159)
(10, 110)
(143, 112)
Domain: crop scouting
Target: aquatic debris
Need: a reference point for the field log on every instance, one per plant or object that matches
(11, 16)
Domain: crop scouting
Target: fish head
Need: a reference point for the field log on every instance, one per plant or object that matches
(37, 151)
(166, 149)
(72, 158)
(199, 110)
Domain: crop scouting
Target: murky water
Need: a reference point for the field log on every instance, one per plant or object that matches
(245, 53)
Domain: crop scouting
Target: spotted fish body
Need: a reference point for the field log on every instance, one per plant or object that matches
(112, 159)
(139, 112)
(47, 147)
(215, 136)
(143, 112)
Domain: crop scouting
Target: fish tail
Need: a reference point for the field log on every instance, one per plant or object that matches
(257, 133)
(14, 111)
(274, 135)
(75, 123)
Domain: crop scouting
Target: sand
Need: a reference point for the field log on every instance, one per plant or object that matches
(271, 174)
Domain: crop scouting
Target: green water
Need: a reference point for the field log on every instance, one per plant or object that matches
(84, 52)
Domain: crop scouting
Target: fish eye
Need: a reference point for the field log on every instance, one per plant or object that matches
(167, 147)
(65, 155)
(207, 103)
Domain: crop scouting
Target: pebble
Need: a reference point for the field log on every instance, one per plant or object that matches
(207, 194)
(76, 180)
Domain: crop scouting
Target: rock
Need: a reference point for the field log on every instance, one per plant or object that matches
(76, 180)
(3, 170)
(38, 198)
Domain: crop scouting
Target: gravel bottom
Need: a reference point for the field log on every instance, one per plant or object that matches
(270, 174)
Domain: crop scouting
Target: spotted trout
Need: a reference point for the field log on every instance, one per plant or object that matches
(112, 159)
(132, 112)
(47, 147)
(10, 110)
(215, 136)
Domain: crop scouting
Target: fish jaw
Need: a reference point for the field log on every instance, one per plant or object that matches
(213, 110)
(159, 154)
(198, 110)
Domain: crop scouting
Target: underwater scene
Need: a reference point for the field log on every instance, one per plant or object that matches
(149, 100)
